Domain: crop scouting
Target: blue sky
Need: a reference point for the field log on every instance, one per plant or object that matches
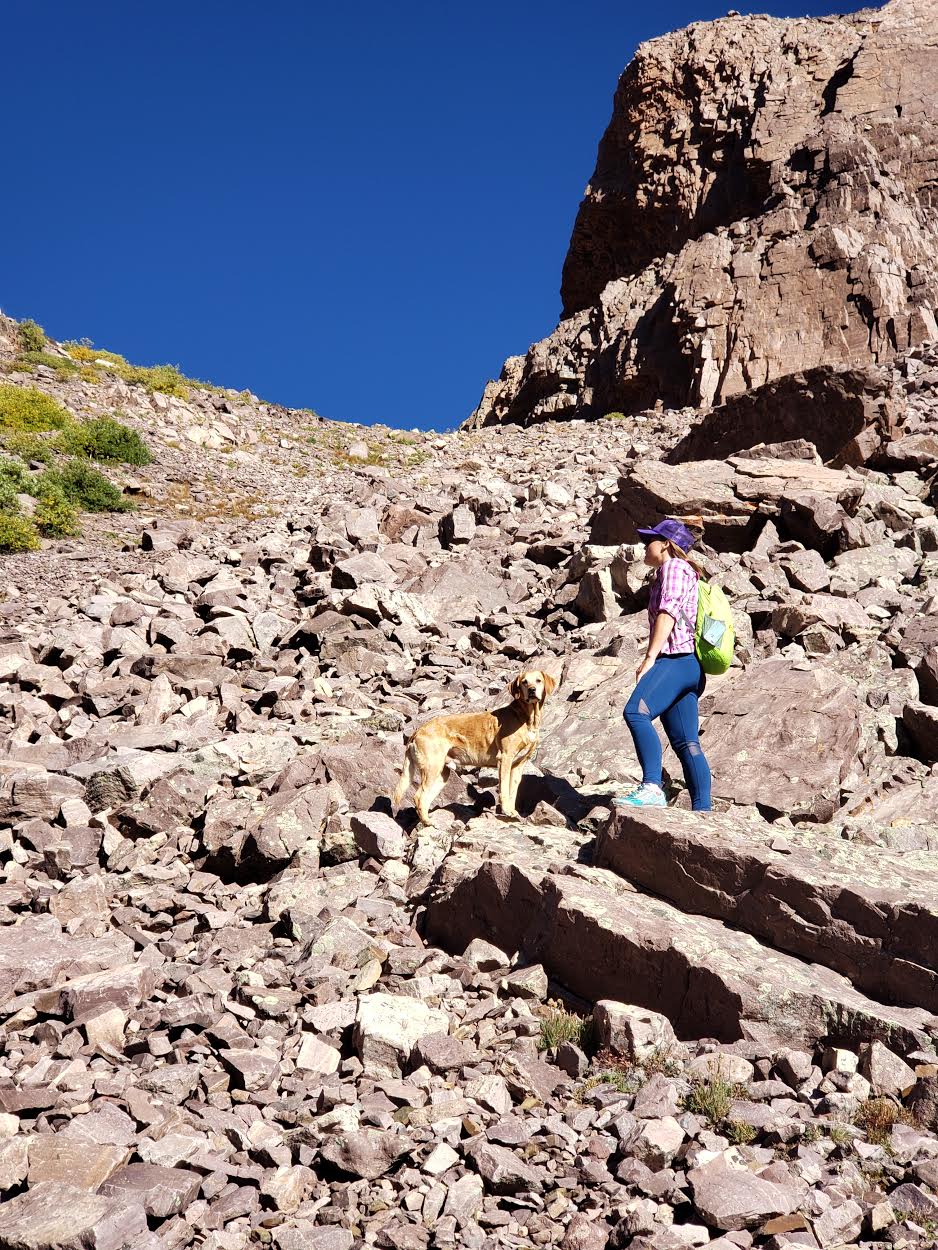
(359, 208)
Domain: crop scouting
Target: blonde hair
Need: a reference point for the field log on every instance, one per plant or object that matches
(696, 526)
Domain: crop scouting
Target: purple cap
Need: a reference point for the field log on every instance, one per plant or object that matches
(670, 531)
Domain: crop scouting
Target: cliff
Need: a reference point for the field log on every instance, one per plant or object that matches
(763, 203)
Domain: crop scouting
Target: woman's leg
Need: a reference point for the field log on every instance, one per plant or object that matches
(654, 693)
(682, 725)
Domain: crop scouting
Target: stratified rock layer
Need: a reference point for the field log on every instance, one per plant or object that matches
(763, 203)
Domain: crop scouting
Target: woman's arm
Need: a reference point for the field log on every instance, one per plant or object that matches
(660, 632)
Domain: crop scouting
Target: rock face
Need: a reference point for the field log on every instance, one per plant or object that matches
(762, 204)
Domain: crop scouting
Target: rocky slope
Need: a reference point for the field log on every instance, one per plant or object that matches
(763, 203)
(245, 1004)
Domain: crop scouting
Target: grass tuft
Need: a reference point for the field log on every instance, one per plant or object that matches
(711, 1096)
(563, 1026)
(877, 1116)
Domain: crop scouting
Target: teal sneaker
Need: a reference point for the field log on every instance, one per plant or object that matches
(645, 795)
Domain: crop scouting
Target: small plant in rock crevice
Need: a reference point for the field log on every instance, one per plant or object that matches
(563, 1026)
(711, 1096)
(878, 1116)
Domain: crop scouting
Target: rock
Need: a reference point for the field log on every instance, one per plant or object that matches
(820, 899)
(598, 944)
(442, 1053)
(368, 1153)
(464, 1199)
(387, 1028)
(730, 1197)
(658, 1141)
(484, 956)
(85, 1165)
(838, 1225)
(161, 1191)
(379, 836)
(887, 1073)
(635, 1032)
(502, 1170)
(57, 1216)
(700, 298)
(317, 1056)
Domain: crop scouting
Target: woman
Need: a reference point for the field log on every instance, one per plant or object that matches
(669, 679)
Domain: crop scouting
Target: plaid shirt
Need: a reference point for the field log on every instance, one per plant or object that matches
(674, 590)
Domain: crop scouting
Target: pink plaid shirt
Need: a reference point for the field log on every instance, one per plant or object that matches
(674, 590)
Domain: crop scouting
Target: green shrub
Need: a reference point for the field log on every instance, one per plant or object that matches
(14, 480)
(31, 335)
(64, 367)
(739, 1132)
(55, 517)
(24, 410)
(17, 533)
(84, 487)
(28, 447)
(112, 442)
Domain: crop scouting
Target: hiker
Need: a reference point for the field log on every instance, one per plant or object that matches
(670, 679)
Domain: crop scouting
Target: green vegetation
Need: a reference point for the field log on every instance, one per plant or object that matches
(563, 1026)
(14, 480)
(166, 379)
(34, 427)
(17, 534)
(711, 1096)
(739, 1132)
(615, 1077)
(31, 335)
(79, 484)
(29, 361)
(55, 517)
(877, 1116)
(105, 439)
(24, 410)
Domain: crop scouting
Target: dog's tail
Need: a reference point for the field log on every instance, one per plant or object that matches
(406, 776)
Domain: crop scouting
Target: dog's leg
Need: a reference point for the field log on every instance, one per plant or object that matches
(406, 777)
(505, 797)
(515, 782)
(431, 768)
(433, 790)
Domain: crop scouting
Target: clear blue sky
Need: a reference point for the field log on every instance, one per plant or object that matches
(359, 208)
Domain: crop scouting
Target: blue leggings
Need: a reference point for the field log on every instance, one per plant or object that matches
(670, 690)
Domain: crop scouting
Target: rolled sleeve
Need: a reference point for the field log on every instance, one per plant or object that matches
(677, 580)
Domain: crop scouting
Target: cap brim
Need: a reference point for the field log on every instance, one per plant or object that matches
(648, 533)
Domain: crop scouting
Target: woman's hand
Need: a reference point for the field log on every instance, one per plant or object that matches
(645, 667)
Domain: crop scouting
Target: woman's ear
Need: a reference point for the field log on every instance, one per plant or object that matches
(550, 683)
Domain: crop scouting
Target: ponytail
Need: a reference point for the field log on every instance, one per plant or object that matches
(696, 526)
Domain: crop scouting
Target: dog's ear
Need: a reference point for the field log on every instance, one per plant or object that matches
(550, 683)
(514, 687)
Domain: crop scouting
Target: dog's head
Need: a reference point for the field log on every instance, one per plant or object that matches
(532, 686)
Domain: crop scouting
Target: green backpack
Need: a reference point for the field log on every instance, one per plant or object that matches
(714, 635)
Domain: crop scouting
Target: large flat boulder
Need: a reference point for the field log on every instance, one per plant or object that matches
(601, 939)
(869, 913)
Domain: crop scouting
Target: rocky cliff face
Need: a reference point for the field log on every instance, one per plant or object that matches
(763, 203)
